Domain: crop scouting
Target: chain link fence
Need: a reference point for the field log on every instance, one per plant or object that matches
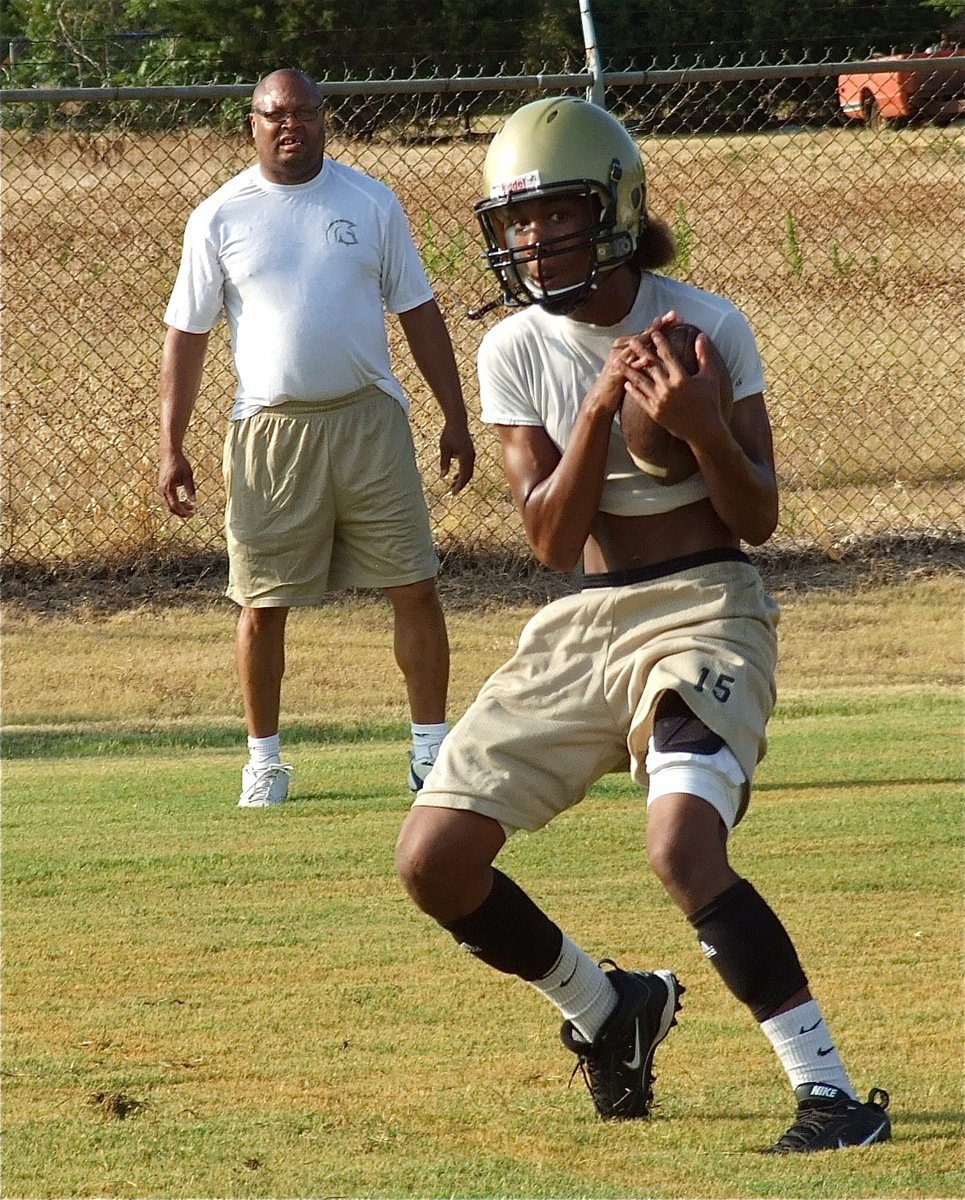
(842, 242)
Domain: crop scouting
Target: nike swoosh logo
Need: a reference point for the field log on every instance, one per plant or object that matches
(802, 1030)
(634, 1063)
(872, 1137)
(569, 978)
(821, 1053)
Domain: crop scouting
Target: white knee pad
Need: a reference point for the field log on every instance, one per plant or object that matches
(716, 778)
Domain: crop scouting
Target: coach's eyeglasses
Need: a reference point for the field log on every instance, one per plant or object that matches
(277, 116)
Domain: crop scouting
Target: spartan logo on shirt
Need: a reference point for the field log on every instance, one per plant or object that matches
(342, 232)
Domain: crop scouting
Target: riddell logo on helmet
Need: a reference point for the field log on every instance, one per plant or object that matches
(509, 187)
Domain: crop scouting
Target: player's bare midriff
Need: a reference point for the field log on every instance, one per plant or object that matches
(616, 543)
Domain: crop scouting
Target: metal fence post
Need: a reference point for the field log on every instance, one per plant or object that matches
(595, 92)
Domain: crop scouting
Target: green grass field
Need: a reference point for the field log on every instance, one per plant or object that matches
(201, 1001)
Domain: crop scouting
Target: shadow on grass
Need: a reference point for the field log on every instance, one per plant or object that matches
(21, 743)
(879, 784)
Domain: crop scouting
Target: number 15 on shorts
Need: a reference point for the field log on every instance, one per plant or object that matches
(720, 686)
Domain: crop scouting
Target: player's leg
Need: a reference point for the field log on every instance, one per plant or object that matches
(444, 858)
(530, 746)
(421, 646)
(696, 792)
(613, 1019)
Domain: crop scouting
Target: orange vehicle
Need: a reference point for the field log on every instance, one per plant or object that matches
(921, 92)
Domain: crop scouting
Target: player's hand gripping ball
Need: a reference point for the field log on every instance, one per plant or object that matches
(654, 449)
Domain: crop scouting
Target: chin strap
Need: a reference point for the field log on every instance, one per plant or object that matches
(475, 314)
(559, 306)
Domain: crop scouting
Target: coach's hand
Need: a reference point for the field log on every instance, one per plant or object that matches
(176, 484)
(455, 442)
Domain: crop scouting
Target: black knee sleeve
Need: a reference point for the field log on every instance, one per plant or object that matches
(675, 727)
(750, 948)
(509, 932)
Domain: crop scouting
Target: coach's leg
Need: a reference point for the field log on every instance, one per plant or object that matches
(421, 645)
(422, 651)
(260, 661)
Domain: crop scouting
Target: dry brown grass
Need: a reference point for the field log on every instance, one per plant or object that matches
(859, 314)
(172, 669)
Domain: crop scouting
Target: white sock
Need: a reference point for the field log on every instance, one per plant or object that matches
(579, 989)
(264, 750)
(805, 1047)
(426, 740)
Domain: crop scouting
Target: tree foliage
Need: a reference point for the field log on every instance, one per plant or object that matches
(95, 42)
(770, 30)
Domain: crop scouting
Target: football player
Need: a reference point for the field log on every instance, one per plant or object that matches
(663, 662)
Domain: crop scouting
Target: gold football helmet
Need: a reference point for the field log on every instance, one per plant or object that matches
(558, 145)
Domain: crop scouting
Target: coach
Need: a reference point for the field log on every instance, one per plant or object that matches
(305, 256)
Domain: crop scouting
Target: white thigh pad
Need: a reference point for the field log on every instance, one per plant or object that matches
(716, 778)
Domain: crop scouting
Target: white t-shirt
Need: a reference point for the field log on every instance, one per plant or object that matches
(536, 369)
(304, 273)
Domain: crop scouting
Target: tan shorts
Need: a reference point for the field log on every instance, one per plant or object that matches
(576, 700)
(324, 496)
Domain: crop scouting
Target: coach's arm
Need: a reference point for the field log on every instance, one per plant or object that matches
(182, 361)
(428, 337)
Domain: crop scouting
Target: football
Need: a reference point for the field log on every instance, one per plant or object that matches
(654, 449)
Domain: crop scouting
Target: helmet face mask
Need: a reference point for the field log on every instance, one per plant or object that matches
(567, 149)
(513, 259)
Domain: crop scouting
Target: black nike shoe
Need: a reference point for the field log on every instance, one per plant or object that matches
(828, 1119)
(617, 1065)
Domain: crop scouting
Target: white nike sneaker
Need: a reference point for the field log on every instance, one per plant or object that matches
(263, 787)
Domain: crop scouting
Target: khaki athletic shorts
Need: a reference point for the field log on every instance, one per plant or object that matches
(324, 496)
(576, 700)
